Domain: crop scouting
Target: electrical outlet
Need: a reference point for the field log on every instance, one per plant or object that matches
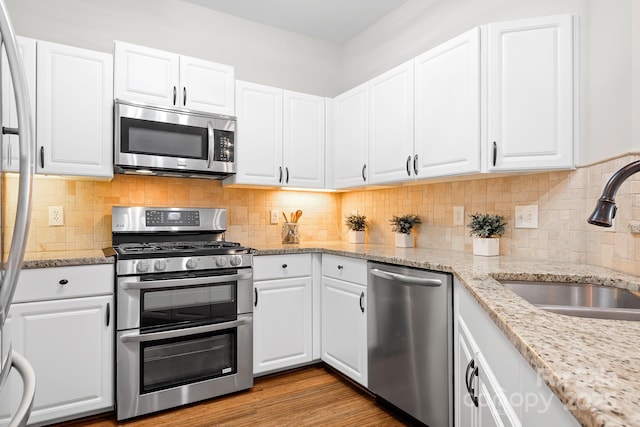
(274, 216)
(526, 216)
(56, 215)
(458, 215)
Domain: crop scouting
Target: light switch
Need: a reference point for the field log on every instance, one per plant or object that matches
(274, 216)
(458, 215)
(527, 216)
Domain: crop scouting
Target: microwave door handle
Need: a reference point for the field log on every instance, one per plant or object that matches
(170, 283)
(211, 137)
(178, 333)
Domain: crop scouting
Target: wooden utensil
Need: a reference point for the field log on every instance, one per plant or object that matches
(298, 215)
(285, 217)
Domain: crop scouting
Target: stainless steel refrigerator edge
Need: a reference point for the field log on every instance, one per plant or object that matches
(410, 341)
(11, 268)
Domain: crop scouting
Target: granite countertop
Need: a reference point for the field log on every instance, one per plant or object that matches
(592, 365)
(65, 258)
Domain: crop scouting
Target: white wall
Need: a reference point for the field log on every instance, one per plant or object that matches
(605, 55)
(259, 53)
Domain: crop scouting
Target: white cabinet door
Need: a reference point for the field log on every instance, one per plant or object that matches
(69, 343)
(531, 94)
(391, 125)
(464, 406)
(344, 328)
(259, 134)
(145, 74)
(10, 147)
(282, 324)
(206, 86)
(350, 145)
(303, 141)
(75, 110)
(447, 102)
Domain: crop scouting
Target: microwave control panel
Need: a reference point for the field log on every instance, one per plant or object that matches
(224, 146)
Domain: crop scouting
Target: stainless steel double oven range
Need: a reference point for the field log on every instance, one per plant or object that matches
(184, 308)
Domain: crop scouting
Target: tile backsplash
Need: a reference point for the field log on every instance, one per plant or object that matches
(564, 200)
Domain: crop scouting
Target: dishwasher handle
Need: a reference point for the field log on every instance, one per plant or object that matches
(411, 280)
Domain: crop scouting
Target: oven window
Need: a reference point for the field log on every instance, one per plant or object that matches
(178, 361)
(163, 139)
(199, 304)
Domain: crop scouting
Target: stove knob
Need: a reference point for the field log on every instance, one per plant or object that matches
(160, 265)
(192, 263)
(142, 266)
(221, 261)
(236, 260)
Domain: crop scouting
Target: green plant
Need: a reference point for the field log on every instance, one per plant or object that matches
(356, 222)
(486, 225)
(405, 223)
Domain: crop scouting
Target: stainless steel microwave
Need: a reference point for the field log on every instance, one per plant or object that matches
(155, 140)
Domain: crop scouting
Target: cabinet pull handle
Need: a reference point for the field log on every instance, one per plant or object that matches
(108, 314)
(280, 172)
(63, 282)
(42, 156)
(471, 371)
(286, 181)
(415, 165)
(284, 265)
(364, 174)
(340, 267)
(184, 95)
(362, 301)
(175, 94)
(10, 131)
(408, 166)
(255, 293)
(495, 153)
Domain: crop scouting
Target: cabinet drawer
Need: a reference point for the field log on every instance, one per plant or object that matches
(281, 266)
(344, 268)
(49, 283)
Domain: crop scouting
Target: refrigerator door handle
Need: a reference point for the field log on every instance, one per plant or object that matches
(26, 142)
(23, 367)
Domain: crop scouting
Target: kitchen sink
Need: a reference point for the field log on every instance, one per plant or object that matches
(579, 299)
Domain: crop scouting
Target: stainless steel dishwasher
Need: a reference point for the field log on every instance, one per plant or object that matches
(410, 341)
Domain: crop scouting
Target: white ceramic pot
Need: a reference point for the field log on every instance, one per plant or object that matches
(404, 240)
(486, 246)
(356, 236)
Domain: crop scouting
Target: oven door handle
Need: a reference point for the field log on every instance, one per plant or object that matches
(177, 333)
(211, 141)
(170, 283)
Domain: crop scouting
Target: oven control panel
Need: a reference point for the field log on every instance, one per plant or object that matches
(171, 218)
(178, 264)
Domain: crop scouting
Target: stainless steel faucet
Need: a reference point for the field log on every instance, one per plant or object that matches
(605, 209)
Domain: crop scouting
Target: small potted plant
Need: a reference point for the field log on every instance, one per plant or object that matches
(356, 224)
(402, 226)
(486, 230)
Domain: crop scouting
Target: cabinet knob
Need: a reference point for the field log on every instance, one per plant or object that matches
(284, 265)
(63, 282)
(340, 267)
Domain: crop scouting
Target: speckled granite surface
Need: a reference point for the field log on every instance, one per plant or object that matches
(592, 365)
(64, 258)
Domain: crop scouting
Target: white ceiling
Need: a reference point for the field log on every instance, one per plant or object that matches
(335, 21)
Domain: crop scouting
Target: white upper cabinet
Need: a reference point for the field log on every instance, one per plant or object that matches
(447, 108)
(163, 78)
(10, 147)
(280, 137)
(303, 143)
(390, 120)
(351, 142)
(259, 134)
(531, 94)
(74, 111)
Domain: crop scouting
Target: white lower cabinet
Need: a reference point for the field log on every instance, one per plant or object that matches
(495, 386)
(344, 316)
(282, 312)
(62, 322)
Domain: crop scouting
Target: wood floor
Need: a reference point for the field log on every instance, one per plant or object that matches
(312, 396)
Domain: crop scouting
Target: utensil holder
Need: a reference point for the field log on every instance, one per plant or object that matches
(290, 233)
